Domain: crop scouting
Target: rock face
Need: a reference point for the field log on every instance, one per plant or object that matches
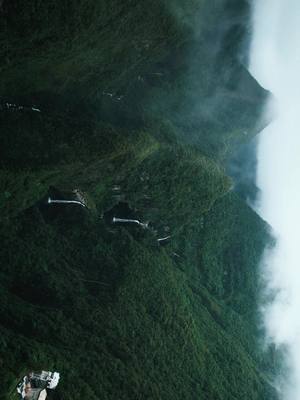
(141, 104)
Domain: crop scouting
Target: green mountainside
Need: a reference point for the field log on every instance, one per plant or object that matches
(132, 108)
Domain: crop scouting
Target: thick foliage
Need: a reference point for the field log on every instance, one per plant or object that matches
(139, 102)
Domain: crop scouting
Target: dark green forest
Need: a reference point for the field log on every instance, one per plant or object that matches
(134, 108)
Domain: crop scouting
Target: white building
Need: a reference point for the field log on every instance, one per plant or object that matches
(34, 385)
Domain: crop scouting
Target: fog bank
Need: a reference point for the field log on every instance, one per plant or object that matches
(275, 63)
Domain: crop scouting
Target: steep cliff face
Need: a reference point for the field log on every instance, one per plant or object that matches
(130, 108)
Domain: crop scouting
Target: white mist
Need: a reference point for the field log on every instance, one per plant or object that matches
(275, 63)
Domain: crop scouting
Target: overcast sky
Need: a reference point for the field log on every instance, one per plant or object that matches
(275, 62)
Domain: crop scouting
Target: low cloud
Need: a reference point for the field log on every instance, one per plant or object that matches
(275, 63)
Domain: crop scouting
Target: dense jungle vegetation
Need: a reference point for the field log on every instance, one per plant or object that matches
(137, 106)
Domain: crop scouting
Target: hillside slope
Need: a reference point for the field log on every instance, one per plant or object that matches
(131, 108)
